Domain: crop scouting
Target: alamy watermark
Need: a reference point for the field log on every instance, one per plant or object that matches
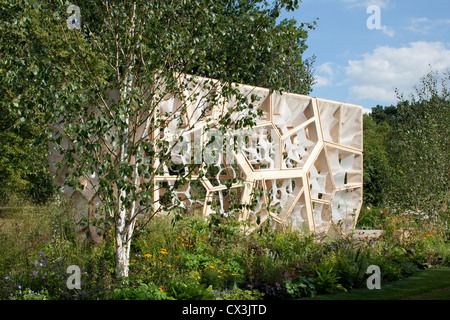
(374, 21)
(74, 20)
(374, 280)
(74, 280)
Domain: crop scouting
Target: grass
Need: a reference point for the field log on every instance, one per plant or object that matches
(430, 284)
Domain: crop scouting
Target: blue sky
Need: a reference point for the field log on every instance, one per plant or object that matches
(359, 65)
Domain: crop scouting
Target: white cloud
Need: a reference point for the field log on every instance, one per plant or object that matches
(366, 110)
(326, 73)
(424, 25)
(388, 31)
(378, 73)
(365, 3)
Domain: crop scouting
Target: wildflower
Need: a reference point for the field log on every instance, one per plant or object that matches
(162, 289)
(147, 255)
(163, 251)
(132, 260)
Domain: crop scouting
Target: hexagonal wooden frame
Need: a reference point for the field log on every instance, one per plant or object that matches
(314, 144)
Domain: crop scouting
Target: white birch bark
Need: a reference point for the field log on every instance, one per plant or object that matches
(124, 228)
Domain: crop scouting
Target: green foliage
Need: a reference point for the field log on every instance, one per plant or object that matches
(406, 150)
(300, 287)
(140, 291)
(192, 262)
(377, 168)
(189, 290)
(239, 294)
(29, 294)
(326, 281)
(372, 218)
(422, 131)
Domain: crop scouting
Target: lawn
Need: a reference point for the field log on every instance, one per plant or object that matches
(430, 284)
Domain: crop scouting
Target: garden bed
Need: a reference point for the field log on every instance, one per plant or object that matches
(176, 257)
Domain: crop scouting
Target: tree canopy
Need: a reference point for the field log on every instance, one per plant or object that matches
(406, 149)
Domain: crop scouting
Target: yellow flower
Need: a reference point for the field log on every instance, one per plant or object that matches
(162, 289)
(163, 251)
(147, 255)
(132, 260)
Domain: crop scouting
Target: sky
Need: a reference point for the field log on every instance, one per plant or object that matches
(364, 66)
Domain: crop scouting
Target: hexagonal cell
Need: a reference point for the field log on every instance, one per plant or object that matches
(189, 196)
(225, 201)
(290, 111)
(258, 214)
(330, 113)
(322, 216)
(351, 126)
(263, 148)
(298, 218)
(298, 145)
(321, 185)
(281, 195)
(222, 174)
(345, 207)
(346, 166)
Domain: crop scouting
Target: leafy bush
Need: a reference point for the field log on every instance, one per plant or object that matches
(29, 294)
(326, 281)
(239, 294)
(140, 291)
(300, 287)
(190, 290)
(194, 258)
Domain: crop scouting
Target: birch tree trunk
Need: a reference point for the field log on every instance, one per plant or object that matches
(124, 219)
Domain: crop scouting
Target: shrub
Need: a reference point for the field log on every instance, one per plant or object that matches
(300, 287)
(190, 290)
(140, 291)
(239, 294)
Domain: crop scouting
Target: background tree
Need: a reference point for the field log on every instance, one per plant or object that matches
(97, 90)
(23, 147)
(419, 148)
(377, 166)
